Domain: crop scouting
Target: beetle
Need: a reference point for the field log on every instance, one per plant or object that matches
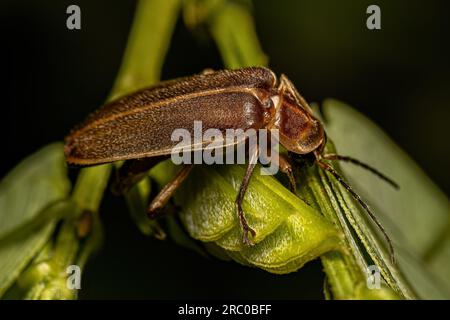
(138, 127)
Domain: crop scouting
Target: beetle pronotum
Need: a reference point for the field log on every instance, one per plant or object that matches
(138, 128)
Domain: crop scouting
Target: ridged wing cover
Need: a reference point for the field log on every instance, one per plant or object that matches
(140, 125)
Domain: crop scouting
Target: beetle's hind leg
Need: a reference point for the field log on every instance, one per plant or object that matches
(166, 193)
(131, 172)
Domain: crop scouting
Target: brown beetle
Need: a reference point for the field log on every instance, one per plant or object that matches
(138, 127)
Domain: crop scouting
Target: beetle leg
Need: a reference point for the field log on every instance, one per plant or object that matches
(284, 164)
(286, 167)
(169, 189)
(131, 172)
(240, 197)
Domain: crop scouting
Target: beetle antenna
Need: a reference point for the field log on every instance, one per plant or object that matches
(338, 177)
(333, 156)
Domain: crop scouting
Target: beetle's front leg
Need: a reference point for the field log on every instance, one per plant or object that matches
(240, 197)
(286, 167)
(166, 193)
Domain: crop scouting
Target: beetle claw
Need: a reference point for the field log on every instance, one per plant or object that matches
(245, 239)
(245, 227)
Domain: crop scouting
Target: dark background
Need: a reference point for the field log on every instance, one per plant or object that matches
(52, 78)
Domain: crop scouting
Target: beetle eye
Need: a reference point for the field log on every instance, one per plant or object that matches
(273, 101)
(268, 103)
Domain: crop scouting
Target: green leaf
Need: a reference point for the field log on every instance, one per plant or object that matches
(17, 253)
(33, 184)
(31, 190)
(416, 217)
(289, 232)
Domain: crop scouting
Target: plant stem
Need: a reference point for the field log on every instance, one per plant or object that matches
(147, 46)
(342, 269)
(141, 66)
(233, 30)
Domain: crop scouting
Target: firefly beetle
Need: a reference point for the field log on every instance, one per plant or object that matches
(138, 127)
